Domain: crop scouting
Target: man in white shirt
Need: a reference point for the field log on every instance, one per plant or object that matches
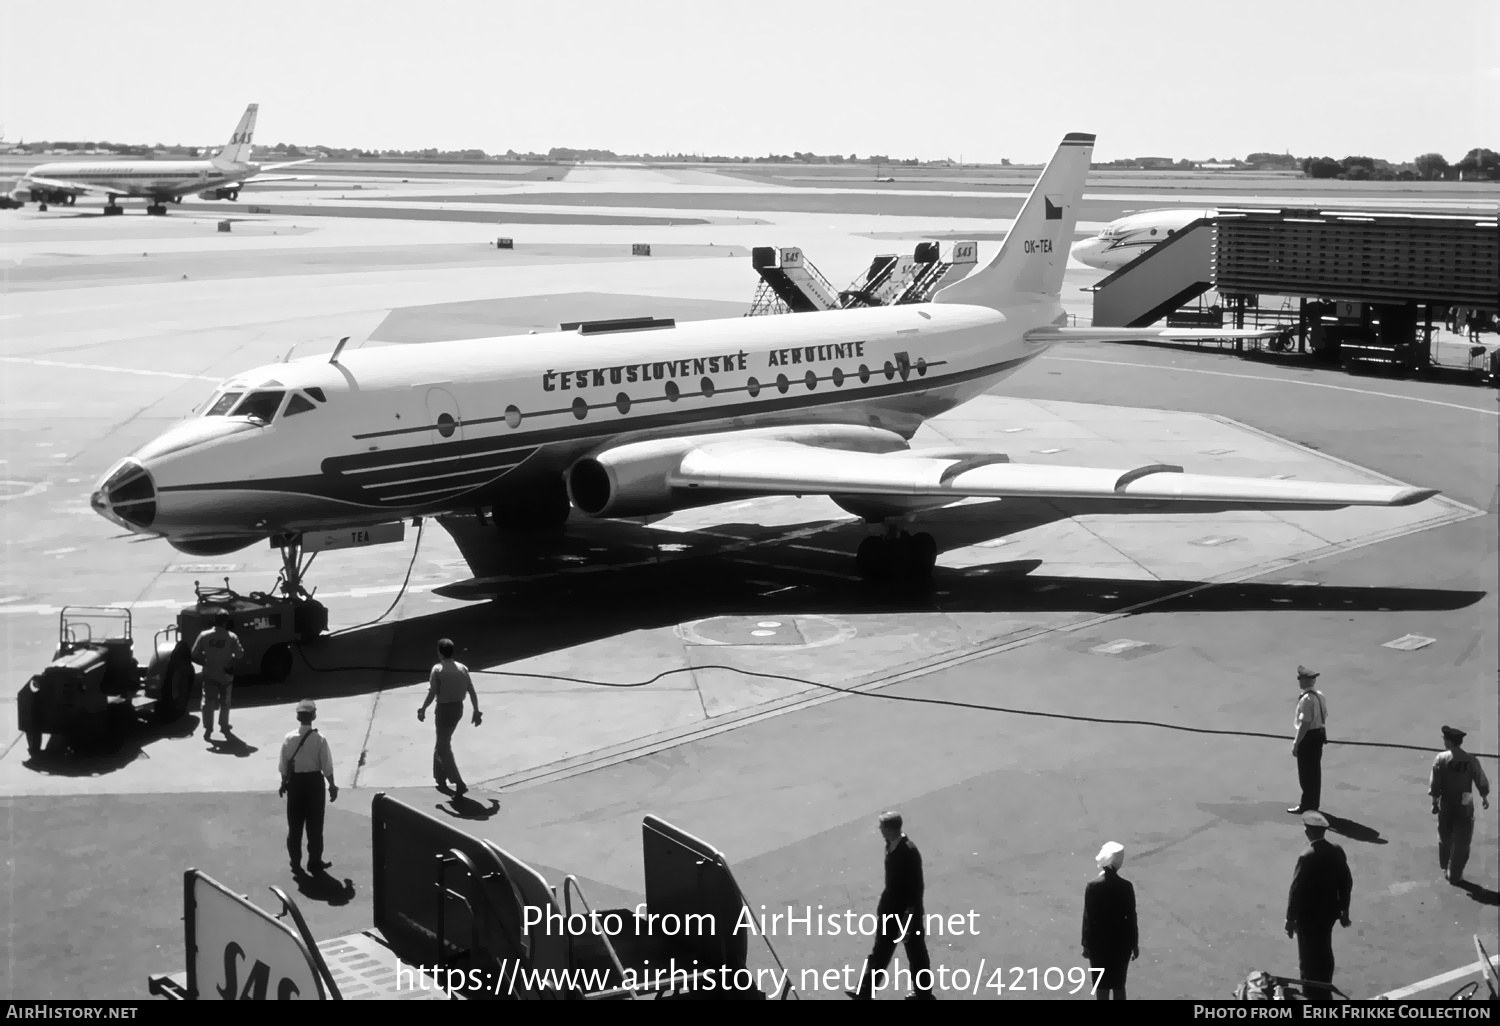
(305, 762)
(1312, 735)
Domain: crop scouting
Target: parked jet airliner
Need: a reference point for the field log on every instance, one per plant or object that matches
(1126, 239)
(157, 180)
(629, 424)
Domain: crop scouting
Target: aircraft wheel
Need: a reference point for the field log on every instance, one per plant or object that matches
(276, 664)
(926, 554)
(42, 207)
(870, 557)
(310, 620)
(234, 195)
(901, 558)
(72, 199)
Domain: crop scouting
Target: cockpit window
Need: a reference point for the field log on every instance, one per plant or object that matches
(298, 404)
(316, 393)
(261, 405)
(225, 402)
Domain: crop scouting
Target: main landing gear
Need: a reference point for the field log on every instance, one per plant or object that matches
(111, 208)
(897, 556)
(156, 208)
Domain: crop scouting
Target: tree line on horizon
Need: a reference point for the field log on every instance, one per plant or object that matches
(1479, 164)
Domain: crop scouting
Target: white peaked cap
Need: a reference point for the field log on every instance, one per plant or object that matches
(1111, 855)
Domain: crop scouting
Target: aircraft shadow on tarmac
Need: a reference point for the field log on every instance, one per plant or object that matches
(546, 591)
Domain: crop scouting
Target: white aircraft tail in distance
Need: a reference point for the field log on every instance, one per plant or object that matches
(626, 420)
(157, 181)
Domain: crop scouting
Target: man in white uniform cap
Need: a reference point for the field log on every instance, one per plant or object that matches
(1110, 936)
(1319, 897)
(305, 763)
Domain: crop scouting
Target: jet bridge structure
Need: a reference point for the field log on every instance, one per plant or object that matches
(791, 284)
(1355, 288)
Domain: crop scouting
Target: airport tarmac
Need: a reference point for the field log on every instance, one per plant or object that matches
(1108, 676)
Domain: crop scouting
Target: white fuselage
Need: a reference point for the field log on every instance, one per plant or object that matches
(157, 179)
(1128, 238)
(402, 431)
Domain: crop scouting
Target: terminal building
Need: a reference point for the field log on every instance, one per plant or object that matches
(1351, 288)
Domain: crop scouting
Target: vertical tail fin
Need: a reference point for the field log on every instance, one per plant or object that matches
(237, 151)
(1034, 255)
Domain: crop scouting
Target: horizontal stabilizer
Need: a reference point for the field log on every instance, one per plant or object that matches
(787, 468)
(1148, 334)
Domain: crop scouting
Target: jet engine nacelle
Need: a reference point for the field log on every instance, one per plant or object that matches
(630, 480)
(218, 545)
(220, 194)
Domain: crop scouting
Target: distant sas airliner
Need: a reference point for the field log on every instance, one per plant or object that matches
(156, 180)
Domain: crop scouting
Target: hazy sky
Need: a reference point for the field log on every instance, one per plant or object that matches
(977, 80)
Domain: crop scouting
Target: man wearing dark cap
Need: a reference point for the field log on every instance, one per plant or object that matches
(448, 682)
(305, 762)
(1454, 774)
(900, 915)
(1312, 735)
(217, 649)
(1319, 897)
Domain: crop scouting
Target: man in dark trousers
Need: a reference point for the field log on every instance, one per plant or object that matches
(217, 649)
(1110, 937)
(448, 683)
(1454, 773)
(1312, 735)
(900, 914)
(1319, 897)
(305, 762)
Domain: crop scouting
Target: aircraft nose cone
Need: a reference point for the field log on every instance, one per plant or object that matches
(127, 496)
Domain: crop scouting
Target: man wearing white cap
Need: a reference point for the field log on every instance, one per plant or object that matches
(1110, 936)
(1312, 735)
(305, 762)
(1319, 897)
(1454, 775)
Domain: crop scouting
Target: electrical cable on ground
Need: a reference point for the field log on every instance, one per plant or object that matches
(914, 699)
(400, 592)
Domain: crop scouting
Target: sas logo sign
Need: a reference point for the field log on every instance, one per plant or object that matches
(240, 138)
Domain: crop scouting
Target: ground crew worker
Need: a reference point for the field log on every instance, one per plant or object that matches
(216, 649)
(305, 762)
(1312, 735)
(1319, 897)
(1454, 772)
(900, 915)
(1110, 937)
(447, 683)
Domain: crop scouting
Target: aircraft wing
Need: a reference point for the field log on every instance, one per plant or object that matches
(1147, 334)
(776, 467)
(288, 163)
(57, 183)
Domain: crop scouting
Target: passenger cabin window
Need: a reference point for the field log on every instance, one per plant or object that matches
(298, 404)
(261, 405)
(225, 402)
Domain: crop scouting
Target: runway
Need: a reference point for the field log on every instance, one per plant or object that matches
(1071, 677)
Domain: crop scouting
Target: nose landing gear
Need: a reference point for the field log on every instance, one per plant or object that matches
(897, 556)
